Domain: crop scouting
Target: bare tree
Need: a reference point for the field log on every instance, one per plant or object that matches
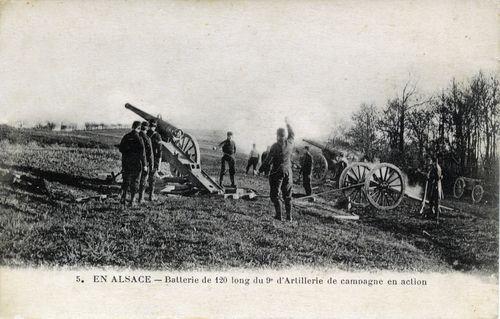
(420, 124)
(394, 121)
(363, 134)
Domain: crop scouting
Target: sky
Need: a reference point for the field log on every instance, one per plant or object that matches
(239, 66)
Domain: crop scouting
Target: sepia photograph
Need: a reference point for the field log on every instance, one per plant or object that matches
(301, 151)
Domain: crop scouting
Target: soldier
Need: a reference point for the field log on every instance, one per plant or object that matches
(306, 165)
(148, 148)
(155, 138)
(280, 176)
(435, 191)
(229, 150)
(253, 160)
(133, 161)
(264, 168)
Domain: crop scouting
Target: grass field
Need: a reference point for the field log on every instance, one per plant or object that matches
(207, 231)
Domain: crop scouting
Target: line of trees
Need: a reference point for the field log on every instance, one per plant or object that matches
(51, 126)
(89, 126)
(460, 125)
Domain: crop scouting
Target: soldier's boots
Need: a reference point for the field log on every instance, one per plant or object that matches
(221, 179)
(277, 208)
(232, 181)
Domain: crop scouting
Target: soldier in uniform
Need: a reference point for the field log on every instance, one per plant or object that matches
(148, 148)
(435, 191)
(280, 176)
(133, 161)
(306, 170)
(253, 160)
(155, 138)
(229, 150)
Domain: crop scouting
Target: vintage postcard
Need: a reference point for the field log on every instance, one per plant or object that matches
(249, 159)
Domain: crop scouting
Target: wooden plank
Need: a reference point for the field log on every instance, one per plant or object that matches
(330, 191)
(337, 213)
(427, 202)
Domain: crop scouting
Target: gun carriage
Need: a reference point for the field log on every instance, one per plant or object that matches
(182, 152)
(380, 185)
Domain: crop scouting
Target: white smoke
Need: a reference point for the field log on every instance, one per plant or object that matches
(413, 188)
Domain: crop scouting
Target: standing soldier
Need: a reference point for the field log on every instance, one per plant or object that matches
(133, 161)
(148, 148)
(306, 165)
(435, 191)
(280, 176)
(156, 140)
(253, 160)
(229, 150)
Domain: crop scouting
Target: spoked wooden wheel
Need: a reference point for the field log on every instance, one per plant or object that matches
(477, 194)
(355, 173)
(188, 145)
(320, 168)
(459, 187)
(385, 186)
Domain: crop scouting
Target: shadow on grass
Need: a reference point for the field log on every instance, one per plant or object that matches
(94, 184)
(447, 239)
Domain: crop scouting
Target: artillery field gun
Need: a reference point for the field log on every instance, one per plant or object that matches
(182, 152)
(381, 185)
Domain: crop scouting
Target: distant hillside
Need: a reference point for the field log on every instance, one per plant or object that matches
(83, 139)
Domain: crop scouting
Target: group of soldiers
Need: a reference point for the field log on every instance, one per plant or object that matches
(276, 163)
(141, 157)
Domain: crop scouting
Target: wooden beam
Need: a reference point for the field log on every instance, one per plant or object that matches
(420, 200)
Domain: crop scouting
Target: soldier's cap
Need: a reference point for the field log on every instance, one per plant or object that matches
(145, 124)
(152, 123)
(280, 132)
(136, 124)
(229, 133)
(306, 147)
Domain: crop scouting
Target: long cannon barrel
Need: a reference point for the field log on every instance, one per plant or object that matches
(182, 153)
(329, 152)
(318, 145)
(165, 129)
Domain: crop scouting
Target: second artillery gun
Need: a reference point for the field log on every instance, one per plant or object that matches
(182, 152)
